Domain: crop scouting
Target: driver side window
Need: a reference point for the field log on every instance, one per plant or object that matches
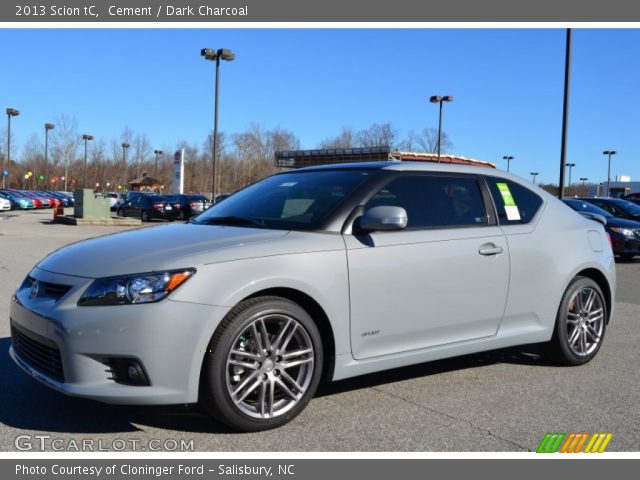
(433, 201)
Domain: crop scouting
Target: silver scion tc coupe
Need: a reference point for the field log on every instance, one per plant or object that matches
(331, 271)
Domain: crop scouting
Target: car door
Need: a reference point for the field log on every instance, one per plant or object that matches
(441, 280)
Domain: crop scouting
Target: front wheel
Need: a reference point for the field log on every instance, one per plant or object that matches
(580, 324)
(263, 365)
(120, 212)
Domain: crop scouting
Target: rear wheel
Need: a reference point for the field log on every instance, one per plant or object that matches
(144, 216)
(263, 365)
(580, 324)
(120, 212)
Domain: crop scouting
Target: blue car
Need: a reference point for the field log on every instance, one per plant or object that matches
(17, 201)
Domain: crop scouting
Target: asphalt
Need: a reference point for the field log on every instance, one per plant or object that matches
(498, 401)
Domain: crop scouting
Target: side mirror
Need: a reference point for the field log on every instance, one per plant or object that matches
(383, 218)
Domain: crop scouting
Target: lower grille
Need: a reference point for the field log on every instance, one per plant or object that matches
(40, 353)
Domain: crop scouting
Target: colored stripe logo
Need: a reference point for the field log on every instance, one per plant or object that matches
(554, 442)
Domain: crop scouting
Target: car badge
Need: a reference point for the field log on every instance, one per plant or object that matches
(35, 288)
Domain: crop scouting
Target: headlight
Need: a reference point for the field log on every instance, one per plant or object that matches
(627, 232)
(133, 289)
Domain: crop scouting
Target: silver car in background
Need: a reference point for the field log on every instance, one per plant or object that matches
(324, 272)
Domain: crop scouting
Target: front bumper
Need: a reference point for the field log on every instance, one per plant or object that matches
(623, 245)
(168, 338)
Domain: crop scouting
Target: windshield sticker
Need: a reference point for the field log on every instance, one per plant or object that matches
(510, 207)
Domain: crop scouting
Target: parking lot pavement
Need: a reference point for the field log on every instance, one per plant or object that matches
(498, 401)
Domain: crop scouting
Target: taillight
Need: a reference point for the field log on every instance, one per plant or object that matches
(193, 204)
(158, 206)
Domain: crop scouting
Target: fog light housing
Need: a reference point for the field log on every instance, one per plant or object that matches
(128, 371)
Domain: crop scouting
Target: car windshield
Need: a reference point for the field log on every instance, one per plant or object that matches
(628, 206)
(580, 206)
(288, 201)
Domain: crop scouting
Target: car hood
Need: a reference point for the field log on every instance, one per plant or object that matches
(622, 223)
(159, 248)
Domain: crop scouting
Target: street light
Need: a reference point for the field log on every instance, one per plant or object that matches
(438, 99)
(533, 177)
(609, 153)
(583, 180)
(124, 162)
(157, 153)
(47, 127)
(11, 112)
(508, 158)
(570, 165)
(217, 55)
(86, 138)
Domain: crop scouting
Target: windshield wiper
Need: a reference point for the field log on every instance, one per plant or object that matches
(232, 220)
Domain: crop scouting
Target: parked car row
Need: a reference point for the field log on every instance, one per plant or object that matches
(147, 206)
(29, 199)
(623, 221)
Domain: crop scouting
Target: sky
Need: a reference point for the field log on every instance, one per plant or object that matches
(507, 86)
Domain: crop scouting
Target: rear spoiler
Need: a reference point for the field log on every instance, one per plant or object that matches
(595, 217)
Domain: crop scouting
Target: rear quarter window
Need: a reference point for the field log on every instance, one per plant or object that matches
(515, 204)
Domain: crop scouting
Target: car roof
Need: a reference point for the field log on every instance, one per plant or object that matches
(406, 166)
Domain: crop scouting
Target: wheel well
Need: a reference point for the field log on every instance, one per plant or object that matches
(318, 315)
(598, 277)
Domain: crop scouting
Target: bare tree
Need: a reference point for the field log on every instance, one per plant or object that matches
(66, 141)
(427, 141)
(379, 135)
(345, 139)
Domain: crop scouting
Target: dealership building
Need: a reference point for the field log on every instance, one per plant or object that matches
(308, 158)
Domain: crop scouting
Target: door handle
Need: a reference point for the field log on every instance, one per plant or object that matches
(489, 249)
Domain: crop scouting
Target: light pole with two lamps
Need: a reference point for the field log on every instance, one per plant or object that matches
(11, 112)
(533, 177)
(86, 138)
(508, 158)
(216, 55)
(157, 154)
(609, 153)
(438, 99)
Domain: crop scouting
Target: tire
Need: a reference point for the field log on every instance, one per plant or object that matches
(183, 215)
(144, 216)
(263, 402)
(120, 213)
(582, 317)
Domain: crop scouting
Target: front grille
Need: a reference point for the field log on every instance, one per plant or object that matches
(51, 290)
(40, 353)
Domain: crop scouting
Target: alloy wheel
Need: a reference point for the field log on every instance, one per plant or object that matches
(270, 366)
(585, 321)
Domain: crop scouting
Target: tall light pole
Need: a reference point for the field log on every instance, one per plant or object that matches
(157, 153)
(565, 111)
(86, 138)
(11, 112)
(583, 180)
(508, 158)
(438, 99)
(533, 177)
(47, 127)
(217, 55)
(609, 153)
(124, 163)
(570, 165)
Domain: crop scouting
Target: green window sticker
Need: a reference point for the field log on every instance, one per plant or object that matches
(510, 207)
